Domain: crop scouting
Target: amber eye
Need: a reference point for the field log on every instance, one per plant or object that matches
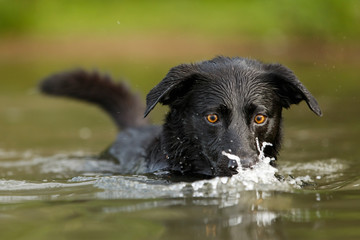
(259, 119)
(213, 118)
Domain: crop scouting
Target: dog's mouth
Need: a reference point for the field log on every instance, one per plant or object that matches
(228, 163)
(234, 161)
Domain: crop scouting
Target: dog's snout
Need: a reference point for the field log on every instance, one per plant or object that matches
(232, 164)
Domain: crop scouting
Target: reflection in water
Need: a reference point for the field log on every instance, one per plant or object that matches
(207, 219)
(248, 219)
(251, 205)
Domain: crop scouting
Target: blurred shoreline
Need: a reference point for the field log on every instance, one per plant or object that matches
(163, 47)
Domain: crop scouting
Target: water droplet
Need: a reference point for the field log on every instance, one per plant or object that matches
(85, 133)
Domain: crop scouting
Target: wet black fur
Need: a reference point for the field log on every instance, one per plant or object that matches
(236, 89)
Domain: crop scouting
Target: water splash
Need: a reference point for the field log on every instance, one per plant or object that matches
(261, 177)
(262, 173)
(261, 150)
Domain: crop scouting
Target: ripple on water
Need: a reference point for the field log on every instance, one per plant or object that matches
(100, 175)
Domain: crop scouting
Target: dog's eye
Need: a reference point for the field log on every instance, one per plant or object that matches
(259, 119)
(212, 118)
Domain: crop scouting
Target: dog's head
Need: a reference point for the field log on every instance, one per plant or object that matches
(222, 110)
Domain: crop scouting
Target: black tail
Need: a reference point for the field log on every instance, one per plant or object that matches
(116, 99)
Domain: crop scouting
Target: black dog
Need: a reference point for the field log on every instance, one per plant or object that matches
(220, 110)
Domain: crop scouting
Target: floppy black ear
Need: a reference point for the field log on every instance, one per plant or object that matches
(170, 88)
(289, 88)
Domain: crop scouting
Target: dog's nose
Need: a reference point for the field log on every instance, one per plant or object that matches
(232, 165)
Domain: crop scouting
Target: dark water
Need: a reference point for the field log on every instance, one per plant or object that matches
(52, 187)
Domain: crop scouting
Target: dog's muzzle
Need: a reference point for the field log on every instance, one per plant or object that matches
(234, 161)
(233, 165)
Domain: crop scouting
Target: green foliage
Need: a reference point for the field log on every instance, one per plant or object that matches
(16, 16)
(333, 19)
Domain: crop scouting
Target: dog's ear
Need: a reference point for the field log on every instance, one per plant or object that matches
(172, 87)
(289, 88)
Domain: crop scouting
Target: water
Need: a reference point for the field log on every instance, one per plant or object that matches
(80, 196)
(53, 187)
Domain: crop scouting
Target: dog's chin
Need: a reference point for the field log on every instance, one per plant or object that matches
(227, 166)
(222, 171)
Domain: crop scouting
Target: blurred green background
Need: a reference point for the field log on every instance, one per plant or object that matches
(140, 40)
(323, 19)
